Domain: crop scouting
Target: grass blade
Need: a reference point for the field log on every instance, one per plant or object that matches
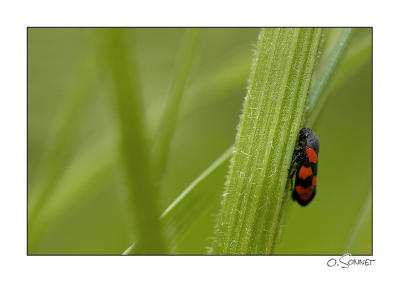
(133, 147)
(129, 250)
(365, 214)
(358, 55)
(194, 202)
(176, 225)
(203, 175)
(168, 123)
(272, 117)
(318, 95)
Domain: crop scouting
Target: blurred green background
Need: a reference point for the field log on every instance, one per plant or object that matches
(85, 209)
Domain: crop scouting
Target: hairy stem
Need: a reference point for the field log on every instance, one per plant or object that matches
(272, 117)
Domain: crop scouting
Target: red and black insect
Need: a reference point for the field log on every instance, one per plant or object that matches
(305, 166)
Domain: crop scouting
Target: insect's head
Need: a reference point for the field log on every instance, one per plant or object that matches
(307, 137)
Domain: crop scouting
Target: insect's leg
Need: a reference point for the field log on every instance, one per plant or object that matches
(294, 195)
(291, 181)
(295, 157)
(294, 166)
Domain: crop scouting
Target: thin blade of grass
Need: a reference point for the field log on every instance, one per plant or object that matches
(360, 222)
(184, 212)
(324, 75)
(358, 55)
(202, 176)
(129, 250)
(133, 148)
(191, 203)
(168, 123)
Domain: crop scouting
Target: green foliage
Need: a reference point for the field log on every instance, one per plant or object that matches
(93, 122)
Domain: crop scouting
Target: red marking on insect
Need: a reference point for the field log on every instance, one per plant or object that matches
(305, 172)
(312, 156)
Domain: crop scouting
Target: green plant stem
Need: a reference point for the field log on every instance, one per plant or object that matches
(133, 147)
(272, 117)
(168, 123)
